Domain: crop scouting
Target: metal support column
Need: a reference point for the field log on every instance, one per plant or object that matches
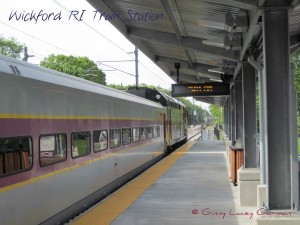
(233, 115)
(225, 118)
(262, 119)
(239, 109)
(229, 118)
(294, 144)
(136, 53)
(263, 142)
(249, 111)
(276, 65)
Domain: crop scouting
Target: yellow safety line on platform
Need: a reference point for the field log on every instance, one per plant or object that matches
(110, 208)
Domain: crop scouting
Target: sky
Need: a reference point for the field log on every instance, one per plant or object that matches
(64, 33)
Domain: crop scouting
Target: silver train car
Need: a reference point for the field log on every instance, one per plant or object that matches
(176, 115)
(66, 143)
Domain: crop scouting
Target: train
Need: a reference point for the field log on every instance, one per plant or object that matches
(66, 143)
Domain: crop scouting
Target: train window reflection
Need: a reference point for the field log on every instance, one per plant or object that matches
(100, 140)
(143, 133)
(155, 132)
(53, 149)
(80, 144)
(149, 132)
(135, 134)
(126, 136)
(15, 155)
(115, 138)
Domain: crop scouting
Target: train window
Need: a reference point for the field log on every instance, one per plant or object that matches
(115, 138)
(100, 140)
(143, 133)
(53, 149)
(15, 155)
(80, 144)
(149, 132)
(158, 131)
(155, 133)
(126, 136)
(135, 134)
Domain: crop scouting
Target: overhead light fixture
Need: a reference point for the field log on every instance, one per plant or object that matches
(215, 22)
(217, 80)
(216, 70)
(217, 42)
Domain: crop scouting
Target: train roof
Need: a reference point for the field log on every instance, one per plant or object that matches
(20, 68)
(156, 96)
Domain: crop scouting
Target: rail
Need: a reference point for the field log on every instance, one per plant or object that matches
(193, 131)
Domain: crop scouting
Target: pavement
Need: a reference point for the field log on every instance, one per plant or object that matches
(195, 190)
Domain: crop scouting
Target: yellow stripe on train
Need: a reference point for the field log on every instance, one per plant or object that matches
(60, 117)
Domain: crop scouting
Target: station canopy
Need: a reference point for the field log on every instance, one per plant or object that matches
(209, 38)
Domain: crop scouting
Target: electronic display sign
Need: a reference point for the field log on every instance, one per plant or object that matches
(201, 89)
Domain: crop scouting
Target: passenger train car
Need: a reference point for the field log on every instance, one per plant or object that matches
(175, 117)
(65, 143)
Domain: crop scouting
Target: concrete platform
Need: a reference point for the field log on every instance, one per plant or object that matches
(195, 190)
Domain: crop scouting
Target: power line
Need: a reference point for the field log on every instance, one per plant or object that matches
(35, 54)
(100, 63)
(167, 82)
(92, 28)
(117, 61)
(45, 42)
(129, 81)
(117, 46)
(58, 47)
(112, 42)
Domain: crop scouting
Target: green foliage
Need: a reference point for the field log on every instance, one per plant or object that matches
(11, 47)
(298, 145)
(216, 112)
(295, 58)
(81, 67)
(121, 87)
(298, 124)
(118, 86)
(82, 146)
(200, 115)
(297, 85)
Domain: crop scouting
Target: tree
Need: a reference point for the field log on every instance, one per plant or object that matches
(296, 60)
(118, 86)
(11, 47)
(216, 112)
(81, 67)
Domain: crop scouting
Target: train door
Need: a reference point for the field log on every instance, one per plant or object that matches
(180, 122)
(185, 117)
(167, 128)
